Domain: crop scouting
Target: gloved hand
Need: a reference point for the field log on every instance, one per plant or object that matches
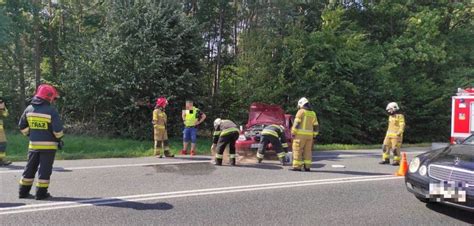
(60, 144)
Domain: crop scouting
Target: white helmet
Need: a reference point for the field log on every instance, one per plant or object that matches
(217, 122)
(392, 107)
(302, 102)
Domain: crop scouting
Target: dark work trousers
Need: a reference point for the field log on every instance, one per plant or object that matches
(269, 139)
(39, 159)
(228, 139)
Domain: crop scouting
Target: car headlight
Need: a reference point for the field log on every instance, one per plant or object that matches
(242, 137)
(422, 170)
(414, 165)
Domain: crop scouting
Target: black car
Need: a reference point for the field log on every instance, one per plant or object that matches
(444, 175)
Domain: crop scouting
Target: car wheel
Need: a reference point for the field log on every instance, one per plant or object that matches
(423, 199)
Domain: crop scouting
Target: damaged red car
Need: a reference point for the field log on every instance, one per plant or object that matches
(261, 115)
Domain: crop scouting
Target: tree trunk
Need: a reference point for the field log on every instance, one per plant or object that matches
(52, 42)
(21, 71)
(215, 90)
(236, 24)
(37, 49)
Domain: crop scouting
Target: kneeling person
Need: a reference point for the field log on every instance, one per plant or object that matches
(225, 133)
(275, 135)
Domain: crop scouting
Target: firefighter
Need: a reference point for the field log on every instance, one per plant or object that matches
(305, 129)
(41, 123)
(161, 144)
(192, 117)
(3, 139)
(394, 137)
(225, 133)
(275, 135)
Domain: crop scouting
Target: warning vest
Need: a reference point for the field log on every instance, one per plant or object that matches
(191, 117)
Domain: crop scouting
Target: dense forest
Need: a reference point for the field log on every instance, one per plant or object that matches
(109, 58)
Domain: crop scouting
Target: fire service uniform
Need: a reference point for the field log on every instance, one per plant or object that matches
(160, 134)
(274, 135)
(394, 137)
(305, 129)
(225, 133)
(41, 123)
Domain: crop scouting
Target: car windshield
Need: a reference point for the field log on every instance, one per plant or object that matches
(469, 140)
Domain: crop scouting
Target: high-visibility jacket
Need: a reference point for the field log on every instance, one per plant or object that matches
(41, 123)
(225, 128)
(159, 119)
(306, 124)
(276, 131)
(3, 113)
(396, 125)
(191, 117)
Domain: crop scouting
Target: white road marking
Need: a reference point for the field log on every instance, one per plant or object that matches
(337, 155)
(188, 193)
(115, 166)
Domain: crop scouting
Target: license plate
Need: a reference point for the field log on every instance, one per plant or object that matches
(448, 191)
(254, 145)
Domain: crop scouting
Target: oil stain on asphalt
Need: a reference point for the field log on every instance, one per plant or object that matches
(204, 168)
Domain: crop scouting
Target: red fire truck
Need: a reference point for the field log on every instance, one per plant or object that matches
(462, 115)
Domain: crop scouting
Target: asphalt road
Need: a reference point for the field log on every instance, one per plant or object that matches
(191, 191)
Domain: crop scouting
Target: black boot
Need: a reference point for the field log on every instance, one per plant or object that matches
(282, 161)
(307, 169)
(295, 169)
(232, 161)
(259, 160)
(386, 161)
(218, 162)
(395, 164)
(168, 154)
(24, 191)
(42, 193)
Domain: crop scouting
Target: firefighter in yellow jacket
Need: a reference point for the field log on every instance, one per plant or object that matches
(161, 144)
(305, 129)
(3, 139)
(394, 137)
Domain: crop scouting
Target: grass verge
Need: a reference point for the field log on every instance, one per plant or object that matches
(83, 147)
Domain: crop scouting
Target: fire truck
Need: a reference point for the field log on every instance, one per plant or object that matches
(462, 115)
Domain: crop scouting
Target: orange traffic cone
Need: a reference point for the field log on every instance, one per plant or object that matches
(403, 166)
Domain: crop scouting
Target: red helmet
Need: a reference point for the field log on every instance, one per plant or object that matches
(46, 92)
(161, 102)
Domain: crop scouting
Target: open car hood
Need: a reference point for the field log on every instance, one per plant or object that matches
(266, 114)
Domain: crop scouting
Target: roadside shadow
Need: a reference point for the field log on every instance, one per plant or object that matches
(192, 158)
(118, 203)
(61, 170)
(349, 172)
(13, 167)
(7, 205)
(317, 165)
(264, 166)
(204, 168)
(459, 214)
